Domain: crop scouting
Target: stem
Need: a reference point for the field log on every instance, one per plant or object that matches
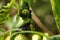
(10, 4)
(33, 32)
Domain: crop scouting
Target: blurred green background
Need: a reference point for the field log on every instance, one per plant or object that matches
(43, 10)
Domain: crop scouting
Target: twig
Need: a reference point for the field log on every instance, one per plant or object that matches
(39, 23)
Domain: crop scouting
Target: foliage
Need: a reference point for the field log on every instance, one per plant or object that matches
(5, 16)
(56, 12)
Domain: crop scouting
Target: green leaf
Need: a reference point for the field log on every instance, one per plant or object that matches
(56, 11)
(1, 37)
